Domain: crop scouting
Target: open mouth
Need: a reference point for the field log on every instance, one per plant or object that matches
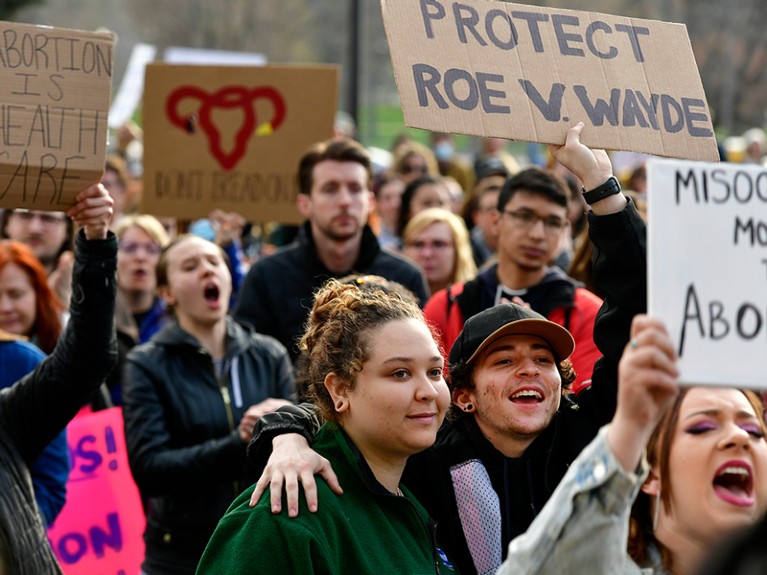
(211, 293)
(527, 396)
(734, 483)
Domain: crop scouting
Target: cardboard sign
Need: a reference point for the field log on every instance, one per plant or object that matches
(528, 73)
(54, 95)
(707, 257)
(100, 528)
(231, 137)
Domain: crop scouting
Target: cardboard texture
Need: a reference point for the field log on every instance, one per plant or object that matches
(55, 87)
(230, 137)
(527, 73)
(707, 267)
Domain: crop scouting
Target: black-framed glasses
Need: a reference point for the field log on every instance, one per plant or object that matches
(526, 219)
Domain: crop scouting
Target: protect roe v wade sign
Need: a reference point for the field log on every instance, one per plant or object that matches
(528, 73)
(707, 267)
(54, 96)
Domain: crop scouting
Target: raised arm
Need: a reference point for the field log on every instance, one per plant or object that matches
(38, 407)
(619, 265)
(583, 528)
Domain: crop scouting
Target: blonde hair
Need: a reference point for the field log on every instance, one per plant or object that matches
(411, 148)
(464, 268)
(145, 222)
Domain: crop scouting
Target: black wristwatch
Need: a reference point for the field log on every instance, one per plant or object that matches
(609, 188)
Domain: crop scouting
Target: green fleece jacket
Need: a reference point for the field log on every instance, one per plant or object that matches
(366, 530)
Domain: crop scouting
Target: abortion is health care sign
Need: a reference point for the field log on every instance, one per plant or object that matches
(707, 267)
(99, 530)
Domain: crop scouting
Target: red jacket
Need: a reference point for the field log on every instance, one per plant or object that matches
(577, 313)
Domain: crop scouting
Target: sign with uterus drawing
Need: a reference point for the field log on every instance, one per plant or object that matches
(231, 137)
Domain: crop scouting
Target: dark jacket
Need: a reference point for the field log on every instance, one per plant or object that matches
(39, 406)
(277, 294)
(181, 422)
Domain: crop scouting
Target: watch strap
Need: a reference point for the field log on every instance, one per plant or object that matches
(609, 188)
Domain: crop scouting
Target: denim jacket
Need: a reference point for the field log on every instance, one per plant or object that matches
(584, 526)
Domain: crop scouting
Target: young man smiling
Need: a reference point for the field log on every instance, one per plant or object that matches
(531, 222)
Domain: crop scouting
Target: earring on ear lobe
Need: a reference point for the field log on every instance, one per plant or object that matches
(468, 408)
(656, 512)
(340, 405)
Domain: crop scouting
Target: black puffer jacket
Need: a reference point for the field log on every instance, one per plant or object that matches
(39, 406)
(181, 422)
(278, 290)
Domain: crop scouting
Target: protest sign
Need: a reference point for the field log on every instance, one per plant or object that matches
(230, 137)
(498, 69)
(54, 95)
(707, 267)
(100, 528)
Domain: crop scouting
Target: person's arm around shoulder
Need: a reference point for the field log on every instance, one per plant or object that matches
(280, 446)
(583, 528)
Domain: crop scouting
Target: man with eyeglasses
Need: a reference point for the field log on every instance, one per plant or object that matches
(49, 236)
(531, 221)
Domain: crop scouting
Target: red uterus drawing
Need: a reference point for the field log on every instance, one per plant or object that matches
(226, 98)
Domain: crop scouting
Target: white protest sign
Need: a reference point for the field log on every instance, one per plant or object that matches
(529, 73)
(132, 86)
(707, 267)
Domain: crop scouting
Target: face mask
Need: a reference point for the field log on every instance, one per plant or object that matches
(443, 151)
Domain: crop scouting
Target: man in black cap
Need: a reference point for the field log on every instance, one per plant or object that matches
(531, 223)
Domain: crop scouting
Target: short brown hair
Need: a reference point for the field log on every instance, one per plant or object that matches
(336, 149)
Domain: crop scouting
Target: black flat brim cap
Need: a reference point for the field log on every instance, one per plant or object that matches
(481, 330)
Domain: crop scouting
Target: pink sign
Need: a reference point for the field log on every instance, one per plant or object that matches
(99, 531)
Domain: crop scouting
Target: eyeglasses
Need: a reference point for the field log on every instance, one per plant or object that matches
(437, 245)
(408, 169)
(46, 218)
(526, 220)
(132, 248)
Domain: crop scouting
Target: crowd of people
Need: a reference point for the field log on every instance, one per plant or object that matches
(448, 369)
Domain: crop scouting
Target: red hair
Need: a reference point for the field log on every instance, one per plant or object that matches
(48, 307)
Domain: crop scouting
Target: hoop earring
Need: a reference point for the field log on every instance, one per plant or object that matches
(468, 408)
(656, 512)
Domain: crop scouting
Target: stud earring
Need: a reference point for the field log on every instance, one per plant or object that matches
(468, 408)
